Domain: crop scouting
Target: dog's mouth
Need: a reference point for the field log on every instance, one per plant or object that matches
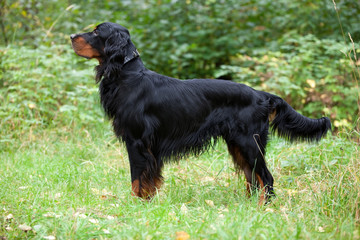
(83, 48)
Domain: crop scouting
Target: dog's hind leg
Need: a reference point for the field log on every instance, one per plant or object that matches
(263, 176)
(241, 164)
(252, 163)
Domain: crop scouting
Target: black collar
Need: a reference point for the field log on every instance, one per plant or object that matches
(134, 55)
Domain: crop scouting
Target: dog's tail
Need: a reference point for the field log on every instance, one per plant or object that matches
(292, 125)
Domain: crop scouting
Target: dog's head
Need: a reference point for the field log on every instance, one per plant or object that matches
(108, 43)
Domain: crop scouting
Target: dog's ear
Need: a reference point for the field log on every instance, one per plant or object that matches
(116, 47)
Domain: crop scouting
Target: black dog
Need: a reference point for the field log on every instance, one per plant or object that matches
(159, 117)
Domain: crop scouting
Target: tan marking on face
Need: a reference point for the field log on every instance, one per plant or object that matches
(84, 49)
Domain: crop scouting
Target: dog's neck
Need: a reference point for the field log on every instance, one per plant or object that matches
(133, 64)
(134, 54)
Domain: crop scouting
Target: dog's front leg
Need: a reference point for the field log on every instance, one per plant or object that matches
(145, 170)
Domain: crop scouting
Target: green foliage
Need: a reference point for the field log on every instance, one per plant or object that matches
(291, 48)
(36, 23)
(182, 38)
(41, 88)
(311, 74)
(192, 39)
(286, 47)
(188, 39)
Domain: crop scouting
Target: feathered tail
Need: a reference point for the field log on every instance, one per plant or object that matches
(293, 126)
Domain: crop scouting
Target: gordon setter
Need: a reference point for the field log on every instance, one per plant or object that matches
(162, 118)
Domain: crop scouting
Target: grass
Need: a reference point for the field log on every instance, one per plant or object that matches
(77, 186)
(63, 175)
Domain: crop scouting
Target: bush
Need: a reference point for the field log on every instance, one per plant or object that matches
(291, 48)
(310, 74)
(43, 88)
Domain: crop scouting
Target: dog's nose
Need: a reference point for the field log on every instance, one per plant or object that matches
(72, 36)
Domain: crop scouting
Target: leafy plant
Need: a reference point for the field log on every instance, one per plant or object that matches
(311, 74)
(291, 48)
(41, 88)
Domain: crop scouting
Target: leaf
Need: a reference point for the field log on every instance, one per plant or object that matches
(37, 227)
(50, 237)
(8, 229)
(67, 108)
(31, 105)
(269, 210)
(209, 203)
(182, 235)
(184, 209)
(311, 83)
(94, 221)
(51, 215)
(25, 227)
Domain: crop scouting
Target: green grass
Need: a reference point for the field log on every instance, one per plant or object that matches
(77, 186)
(63, 173)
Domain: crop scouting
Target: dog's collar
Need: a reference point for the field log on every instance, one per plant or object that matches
(134, 55)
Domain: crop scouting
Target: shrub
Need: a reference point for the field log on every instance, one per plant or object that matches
(311, 74)
(42, 88)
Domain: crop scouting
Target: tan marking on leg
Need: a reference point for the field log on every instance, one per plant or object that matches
(262, 189)
(149, 188)
(248, 176)
(135, 188)
(242, 164)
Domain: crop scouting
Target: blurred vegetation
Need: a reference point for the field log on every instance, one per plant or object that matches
(299, 50)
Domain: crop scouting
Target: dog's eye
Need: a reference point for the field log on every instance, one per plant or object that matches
(95, 32)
